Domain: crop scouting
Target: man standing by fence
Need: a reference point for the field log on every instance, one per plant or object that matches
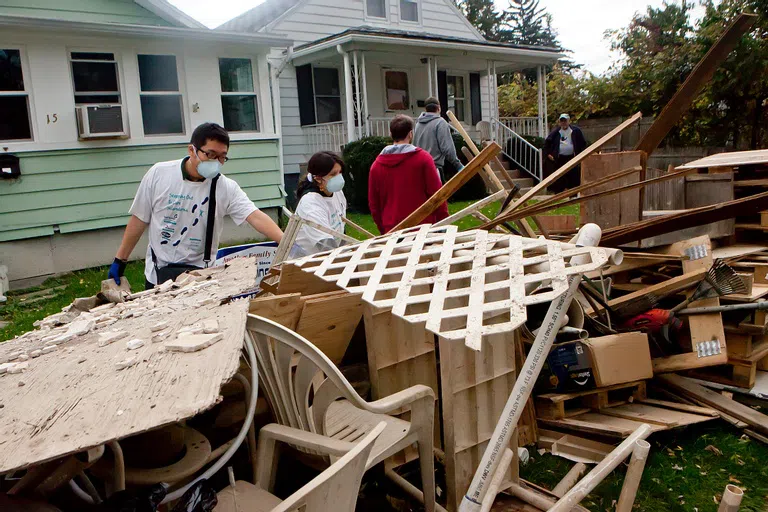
(565, 142)
(433, 135)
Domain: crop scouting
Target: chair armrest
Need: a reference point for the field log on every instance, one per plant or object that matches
(304, 439)
(401, 398)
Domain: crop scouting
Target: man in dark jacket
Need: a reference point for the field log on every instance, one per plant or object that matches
(565, 142)
(433, 135)
(402, 178)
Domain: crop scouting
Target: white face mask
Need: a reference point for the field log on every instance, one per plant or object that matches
(335, 184)
(209, 168)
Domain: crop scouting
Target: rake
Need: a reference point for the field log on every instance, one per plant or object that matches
(720, 280)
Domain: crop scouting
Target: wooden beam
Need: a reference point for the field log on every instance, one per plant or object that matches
(572, 163)
(358, 228)
(701, 394)
(699, 77)
(450, 188)
(486, 169)
(685, 219)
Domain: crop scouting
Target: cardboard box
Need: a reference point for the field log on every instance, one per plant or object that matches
(599, 362)
(620, 358)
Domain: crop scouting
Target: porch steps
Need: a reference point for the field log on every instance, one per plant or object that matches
(523, 183)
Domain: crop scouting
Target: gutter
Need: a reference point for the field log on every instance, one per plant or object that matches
(447, 45)
(117, 29)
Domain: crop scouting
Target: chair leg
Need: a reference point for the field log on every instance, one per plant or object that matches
(427, 466)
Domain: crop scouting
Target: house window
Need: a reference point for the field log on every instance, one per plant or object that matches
(14, 100)
(238, 96)
(456, 96)
(95, 78)
(396, 89)
(409, 10)
(376, 8)
(161, 107)
(327, 95)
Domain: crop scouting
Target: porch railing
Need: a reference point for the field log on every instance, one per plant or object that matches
(326, 137)
(524, 154)
(521, 125)
(379, 126)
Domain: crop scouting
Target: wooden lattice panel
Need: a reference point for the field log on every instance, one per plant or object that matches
(463, 285)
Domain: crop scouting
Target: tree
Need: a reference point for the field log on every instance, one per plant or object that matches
(525, 22)
(483, 16)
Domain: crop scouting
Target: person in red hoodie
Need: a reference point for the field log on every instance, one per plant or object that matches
(402, 178)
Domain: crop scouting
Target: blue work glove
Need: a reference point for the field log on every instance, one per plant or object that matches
(461, 166)
(116, 270)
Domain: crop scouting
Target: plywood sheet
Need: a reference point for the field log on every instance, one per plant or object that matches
(733, 159)
(330, 322)
(616, 209)
(74, 398)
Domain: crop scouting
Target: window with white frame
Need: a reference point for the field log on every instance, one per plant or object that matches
(376, 8)
(238, 95)
(95, 78)
(457, 96)
(409, 10)
(161, 105)
(396, 90)
(14, 100)
(327, 94)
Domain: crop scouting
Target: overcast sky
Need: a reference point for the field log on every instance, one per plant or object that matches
(579, 23)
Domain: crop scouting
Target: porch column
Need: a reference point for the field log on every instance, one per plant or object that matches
(358, 100)
(435, 80)
(365, 99)
(348, 95)
(495, 89)
(541, 88)
(545, 114)
(489, 90)
(429, 75)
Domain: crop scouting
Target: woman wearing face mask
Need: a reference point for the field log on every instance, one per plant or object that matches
(322, 202)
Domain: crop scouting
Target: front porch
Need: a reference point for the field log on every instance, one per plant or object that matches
(350, 85)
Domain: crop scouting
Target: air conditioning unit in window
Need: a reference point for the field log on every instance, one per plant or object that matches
(97, 121)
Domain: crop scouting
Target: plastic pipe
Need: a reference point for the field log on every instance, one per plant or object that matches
(178, 493)
(569, 480)
(602, 470)
(588, 235)
(731, 500)
(497, 480)
(632, 478)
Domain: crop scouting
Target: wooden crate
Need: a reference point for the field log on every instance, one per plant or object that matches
(564, 405)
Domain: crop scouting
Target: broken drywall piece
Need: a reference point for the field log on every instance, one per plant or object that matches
(210, 326)
(159, 326)
(5, 366)
(113, 292)
(35, 353)
(192, 342)
(18, 367)
(82, 325)
(58, 340)
(165, 286)
(125, 363)
(191, 329)
(23, 357)
(86, 303)
(48, 349)
(134, 344)
(109, 337)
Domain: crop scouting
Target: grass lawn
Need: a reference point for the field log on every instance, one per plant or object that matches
(681, 474)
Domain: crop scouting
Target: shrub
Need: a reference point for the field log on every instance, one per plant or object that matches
(535, 140)
(358, 157)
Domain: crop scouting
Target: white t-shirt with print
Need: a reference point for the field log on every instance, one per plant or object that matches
(326, 211)
(566, 142)
(177, 213)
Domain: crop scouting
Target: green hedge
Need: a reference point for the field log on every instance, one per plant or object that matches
(360, 155)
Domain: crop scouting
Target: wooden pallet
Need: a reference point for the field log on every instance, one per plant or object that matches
(748, 355)
(565, 405)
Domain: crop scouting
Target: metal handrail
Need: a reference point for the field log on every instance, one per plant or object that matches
(524, 154)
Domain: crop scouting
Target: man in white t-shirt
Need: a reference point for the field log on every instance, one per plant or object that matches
(173, 200)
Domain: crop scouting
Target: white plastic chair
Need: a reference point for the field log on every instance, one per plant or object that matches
(335, 489)
(308, 392)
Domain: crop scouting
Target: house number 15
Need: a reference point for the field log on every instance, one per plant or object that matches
(51, 118)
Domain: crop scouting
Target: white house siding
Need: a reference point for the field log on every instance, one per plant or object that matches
(316, 19)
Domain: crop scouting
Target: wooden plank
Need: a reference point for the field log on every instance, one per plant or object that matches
(450, 188)
(751, 183)
(615, 209)
(660, 289)
(599, 424)
(73, 400)
(330, 322)
(696, 81)
(283, 309)
(695, 409)
(294, 280)
(571, 164)
(486, 169)
(730, 159)
(716, 400)
(690, 360)
(689, 218)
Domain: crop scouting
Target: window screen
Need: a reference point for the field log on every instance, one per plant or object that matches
(327, 95)
(95, 77)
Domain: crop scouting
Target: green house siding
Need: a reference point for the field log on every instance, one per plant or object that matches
(79, 190)
(103, 11)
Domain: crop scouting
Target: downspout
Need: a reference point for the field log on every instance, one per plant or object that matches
(288, 58)
(348, 94)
